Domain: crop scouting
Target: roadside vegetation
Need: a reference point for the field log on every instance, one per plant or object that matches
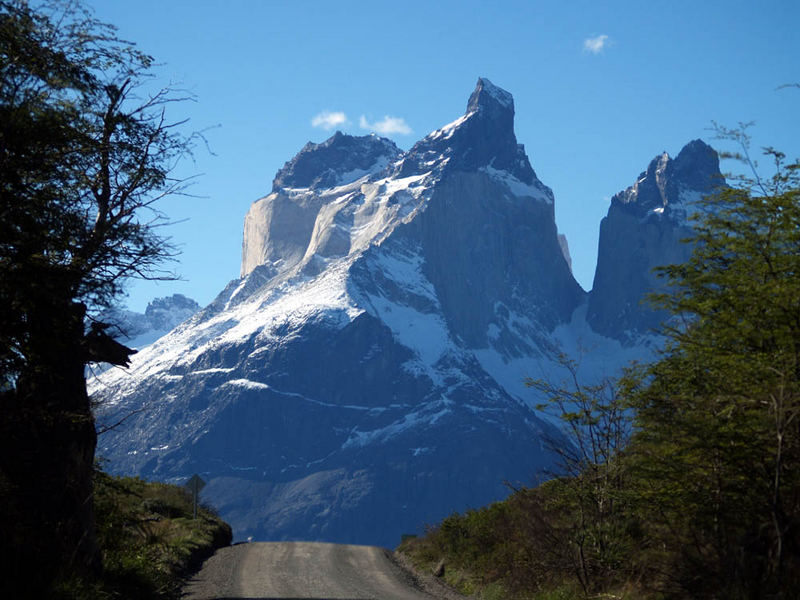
(683, 477)
(148, 540)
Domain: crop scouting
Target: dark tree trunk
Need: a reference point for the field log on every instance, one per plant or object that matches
(47, 455)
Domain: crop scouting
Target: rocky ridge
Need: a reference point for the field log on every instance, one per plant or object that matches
(161, 315)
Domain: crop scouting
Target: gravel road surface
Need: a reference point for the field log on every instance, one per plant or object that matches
(309, 570)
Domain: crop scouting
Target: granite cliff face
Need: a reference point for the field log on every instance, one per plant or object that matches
(643, 230)
(365, 375)
(491, 242)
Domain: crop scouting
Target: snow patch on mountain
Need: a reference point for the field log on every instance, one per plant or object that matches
(426, 417)
(403, 298)
(518, 188)
(349, 177)
(446, 132)
(596, 357)
(261, 317)
(295, 229)
(337, 161)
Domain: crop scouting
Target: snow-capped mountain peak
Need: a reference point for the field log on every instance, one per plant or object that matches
(335, 198)
(137, 330)
(366, 373)
(388, 305)
(482, 139)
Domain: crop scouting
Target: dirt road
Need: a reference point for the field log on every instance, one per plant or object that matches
(310, 570)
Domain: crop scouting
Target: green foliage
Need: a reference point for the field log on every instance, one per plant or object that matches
(148, 540)
(573, 536)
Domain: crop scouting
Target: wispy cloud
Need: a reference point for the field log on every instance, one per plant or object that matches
(596, 44)
(327, 120)
(386, 126)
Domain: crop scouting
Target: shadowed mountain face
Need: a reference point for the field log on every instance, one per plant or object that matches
(365, 376)
(643, 230)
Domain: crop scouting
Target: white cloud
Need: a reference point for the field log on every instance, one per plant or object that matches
(596, 44)
(386, 126)
(327, 120)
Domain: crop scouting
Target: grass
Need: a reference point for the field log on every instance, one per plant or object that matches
(148, 539)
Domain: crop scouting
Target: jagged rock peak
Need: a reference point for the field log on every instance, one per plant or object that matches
(697, 166)
(669, 183)
(488, 96)
(481, 139)
(174, 302)
(136, 329)
(338, 160)
(167, 312)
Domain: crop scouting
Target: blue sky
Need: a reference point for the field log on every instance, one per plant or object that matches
(599, 87)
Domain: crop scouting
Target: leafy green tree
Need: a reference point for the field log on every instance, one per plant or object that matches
(85, 152)
(717, 443)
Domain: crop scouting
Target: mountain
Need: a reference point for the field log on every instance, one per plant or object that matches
(365, 375)
(643, 230)
(137, 330)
